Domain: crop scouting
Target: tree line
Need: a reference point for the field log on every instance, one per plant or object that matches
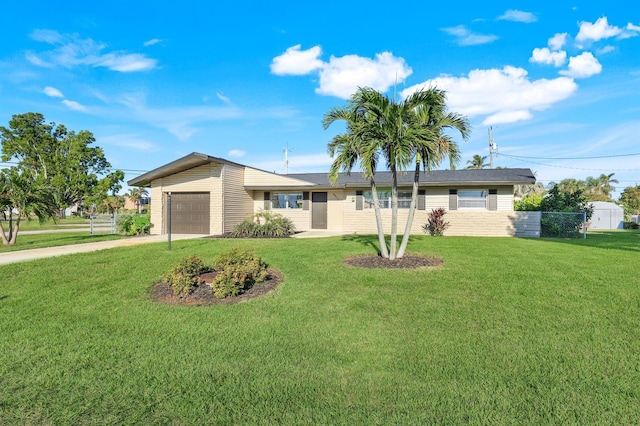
(52, 168)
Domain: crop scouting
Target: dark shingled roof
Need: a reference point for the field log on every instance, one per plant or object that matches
(468, 177)
(433, 178)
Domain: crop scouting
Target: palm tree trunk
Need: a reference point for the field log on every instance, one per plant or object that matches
(412, 210)
(5, 241)
(14, 236)
(394, 214)
(376, 207)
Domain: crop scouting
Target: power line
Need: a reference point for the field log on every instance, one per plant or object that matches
(569, 158)
(519, 158)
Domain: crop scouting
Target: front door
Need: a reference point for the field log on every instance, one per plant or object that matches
(319, 210)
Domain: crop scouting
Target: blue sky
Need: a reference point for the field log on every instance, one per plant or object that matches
(558, 82)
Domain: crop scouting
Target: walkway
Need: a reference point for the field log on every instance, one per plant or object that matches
(25, 255)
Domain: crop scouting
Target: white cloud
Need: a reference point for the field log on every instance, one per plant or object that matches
(597, 31)
(342, 76)
(52, 92)
(76, 106)
(518, 16)
(545, 56)
(70, 50)
(37, 61)
(558, 41)
(125, 62)
(582, 66)
(236, 153)
(151, 42)
(464, 37)
(501, 95)
(630, 31)
(632, 27)
(223, 98)
(297, 62)
(608, 48)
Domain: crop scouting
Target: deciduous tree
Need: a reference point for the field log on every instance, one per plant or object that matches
(63, 159)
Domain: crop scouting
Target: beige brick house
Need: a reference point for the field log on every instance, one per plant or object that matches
(210, 195)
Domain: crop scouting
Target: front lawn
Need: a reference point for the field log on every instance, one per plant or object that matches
(506, 331)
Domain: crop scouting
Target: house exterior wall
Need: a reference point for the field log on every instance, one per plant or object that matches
(301, 218)
(335, 210)
(478, 222)
(254, 177)
(237, 202)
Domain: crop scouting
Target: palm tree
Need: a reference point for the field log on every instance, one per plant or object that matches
(28, 197)
(405, 133)
(348, 150)
(605, 184)
(136, 194)
(478, 162)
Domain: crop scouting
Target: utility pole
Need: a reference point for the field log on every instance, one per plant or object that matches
(286, 159)
(492, 147)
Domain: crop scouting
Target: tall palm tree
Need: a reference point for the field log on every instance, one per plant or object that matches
(605, 182)
(436, 145)
(406, 133)
(347, 150)
(136, 195)
(478, 162)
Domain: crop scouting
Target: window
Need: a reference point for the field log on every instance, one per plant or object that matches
(472, 199)
(384, 199)
(286, 200)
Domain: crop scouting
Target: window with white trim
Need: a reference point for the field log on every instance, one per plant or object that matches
(472, 198)
(286, 200)
(384, 199)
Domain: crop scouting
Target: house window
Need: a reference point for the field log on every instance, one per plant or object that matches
(472, 198)
(384, 199)
(286, 200)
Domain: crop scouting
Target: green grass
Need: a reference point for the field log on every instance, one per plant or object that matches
(507, 331)
(35, 225)
(55, 239)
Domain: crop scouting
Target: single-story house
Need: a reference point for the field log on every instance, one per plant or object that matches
(606, 215)
(209, 195)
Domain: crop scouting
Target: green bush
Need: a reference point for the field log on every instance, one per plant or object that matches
(630, 225)
(183, 278)
(238, 270)
(436, 224)
(264, 224)
(134, 224)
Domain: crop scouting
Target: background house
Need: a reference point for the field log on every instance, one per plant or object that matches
(209, 195)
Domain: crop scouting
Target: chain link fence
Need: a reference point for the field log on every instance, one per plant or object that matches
(563, 225)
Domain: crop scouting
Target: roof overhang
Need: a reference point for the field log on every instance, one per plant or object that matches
(187, 162)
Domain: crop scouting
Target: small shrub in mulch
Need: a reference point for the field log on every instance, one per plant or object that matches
(405, 262)
(234, 274)
(202, 294)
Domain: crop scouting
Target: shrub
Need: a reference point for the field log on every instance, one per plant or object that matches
(183, 278)
(238, 270)
(134, 224)
(630, 225)
(436, 224)
(264, 224)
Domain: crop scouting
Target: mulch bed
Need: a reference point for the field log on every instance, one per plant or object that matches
(406, 262)
(203, 294)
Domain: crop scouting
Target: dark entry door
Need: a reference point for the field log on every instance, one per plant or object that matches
(190, 212)
(319, 210)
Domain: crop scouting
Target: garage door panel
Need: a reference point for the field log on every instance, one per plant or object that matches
(190, 213)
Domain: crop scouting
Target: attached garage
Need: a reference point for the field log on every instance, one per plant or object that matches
(190, 212)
